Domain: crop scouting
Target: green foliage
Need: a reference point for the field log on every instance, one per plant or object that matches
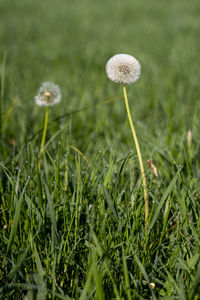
(75, 228)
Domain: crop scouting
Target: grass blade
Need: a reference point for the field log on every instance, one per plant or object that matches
(38, 262)
(110, 204)
(126, 276)
(51, 210)
(16, 218)
(162, 201)
(196, 284)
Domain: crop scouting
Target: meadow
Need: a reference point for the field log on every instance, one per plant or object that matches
(74, 229)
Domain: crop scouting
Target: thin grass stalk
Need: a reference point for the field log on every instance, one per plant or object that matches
(43, 137)
(139, 157)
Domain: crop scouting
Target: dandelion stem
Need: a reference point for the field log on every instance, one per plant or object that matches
(43, 137)
(139, 157)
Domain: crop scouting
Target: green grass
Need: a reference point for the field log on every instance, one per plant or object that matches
(75, 229)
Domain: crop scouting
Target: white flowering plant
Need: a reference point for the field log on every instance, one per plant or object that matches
(48, 94)
(125, 69)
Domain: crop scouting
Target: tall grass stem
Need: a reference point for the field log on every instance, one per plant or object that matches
(139, 157)
(43, 137)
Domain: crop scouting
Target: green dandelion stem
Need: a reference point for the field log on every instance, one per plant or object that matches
(43, 137)
(139, 157)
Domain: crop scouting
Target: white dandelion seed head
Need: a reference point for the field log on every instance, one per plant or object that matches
(48, 94)
(123, 69)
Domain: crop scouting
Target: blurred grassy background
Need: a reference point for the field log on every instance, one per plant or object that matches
(54, 234)
(69, 43)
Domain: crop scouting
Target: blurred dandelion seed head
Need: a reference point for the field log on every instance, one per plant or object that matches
(48, 94)
(123, 69)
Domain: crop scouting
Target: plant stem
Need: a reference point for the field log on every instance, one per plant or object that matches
(43, 137)
(139, 158)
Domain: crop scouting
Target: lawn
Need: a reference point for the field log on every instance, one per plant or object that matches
(74, 228)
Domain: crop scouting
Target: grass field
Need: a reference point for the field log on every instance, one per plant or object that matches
(75, 228)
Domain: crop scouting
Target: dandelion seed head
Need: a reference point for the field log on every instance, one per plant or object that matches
(123, 69)
(48, 94)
